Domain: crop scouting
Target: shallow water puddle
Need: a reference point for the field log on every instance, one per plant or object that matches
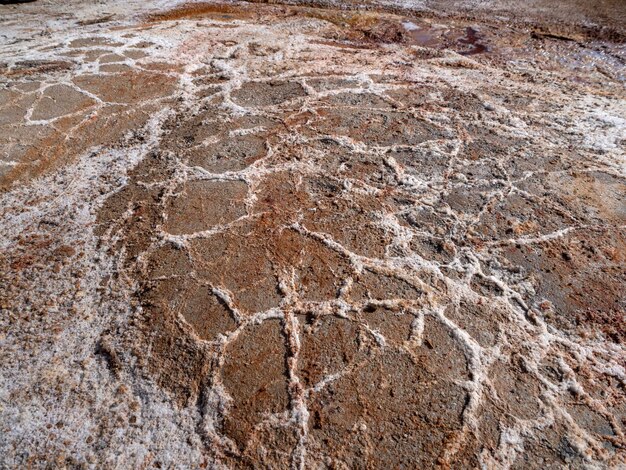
(424, 36)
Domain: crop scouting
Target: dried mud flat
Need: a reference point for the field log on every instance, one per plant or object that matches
(241, 235)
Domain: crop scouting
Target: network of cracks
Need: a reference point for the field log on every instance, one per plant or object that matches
(350, 282)
(378, 268)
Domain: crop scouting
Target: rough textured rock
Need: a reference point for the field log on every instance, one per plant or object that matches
(252, 235)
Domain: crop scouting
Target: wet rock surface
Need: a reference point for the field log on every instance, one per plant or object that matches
(245, 235)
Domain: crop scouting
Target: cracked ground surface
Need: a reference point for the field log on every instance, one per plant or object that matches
(244, 235)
